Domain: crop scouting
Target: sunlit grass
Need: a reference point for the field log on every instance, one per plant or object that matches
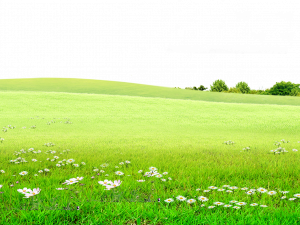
(281, 198)
(154, 150)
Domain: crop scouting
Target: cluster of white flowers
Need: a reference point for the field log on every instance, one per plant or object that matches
(28, 192)
(109, 184)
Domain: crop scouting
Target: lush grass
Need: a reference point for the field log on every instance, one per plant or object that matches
(183, 138)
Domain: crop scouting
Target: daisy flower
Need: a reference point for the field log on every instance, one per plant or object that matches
(206, 191)
(24, 190)
(283, 197)
(95, 170)
(295, 150)
(169, 200)
(241, 203)
(227, 205)
(191, 201)
(292, 199)
(284, 192)
(23, 173)
(233, 188)
(59, 188)
(76, 165)
(105, 182)
(211, 207)
(218, 203)
(203, 199)
(221, 189)
(152, 168)
(83, 163)
(198, 189)
(34, 160)
(71, 181)
(253, 204)
(127, 162)
(119, 173)
(226, 186)
(70, 160)
(169, 178)
(263, 206)
(250, 192)
(261, 190)
(228, 191)
(236, 207)
(245, 188)
(56, 157)
(165, 173)
(163, 180)
(121, 163)
(181, 198)
(272, 192)
(297, 195)
(233, 201)
(140, 171)
(47, 170)
(212, 187)
(159, 176)
(58, 165)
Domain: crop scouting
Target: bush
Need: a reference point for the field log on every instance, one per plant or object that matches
(243, 87)
(296, 90)
(218, 86)
(284, 88)
(233, 90)
(261, 92)
(202, 88)
(253, 92)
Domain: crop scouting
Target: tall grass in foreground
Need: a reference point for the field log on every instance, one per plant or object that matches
(82, 189)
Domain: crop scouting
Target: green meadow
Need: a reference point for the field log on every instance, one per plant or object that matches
(208, 150)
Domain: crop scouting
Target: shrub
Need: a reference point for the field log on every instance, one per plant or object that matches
(218, 86)
(234, 90)
(202, 88)
(263, 92)
(296, 90)
(253, 91)
(243, 87)
(284, 88)
(259, 92)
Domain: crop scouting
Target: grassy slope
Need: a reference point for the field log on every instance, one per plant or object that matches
(182, 137)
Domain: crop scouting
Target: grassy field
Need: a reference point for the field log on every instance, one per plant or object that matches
(184, 138)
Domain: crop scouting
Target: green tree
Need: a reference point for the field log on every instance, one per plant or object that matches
(218, 86)
(243, 87)
(284, 88)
